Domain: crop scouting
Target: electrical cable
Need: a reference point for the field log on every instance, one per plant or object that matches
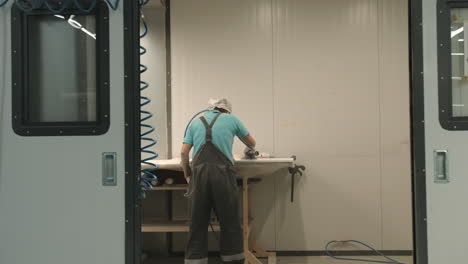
(147, 178)
(197, 114)
(387, 261)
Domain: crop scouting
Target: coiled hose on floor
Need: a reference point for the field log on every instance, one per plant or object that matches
(387, 260)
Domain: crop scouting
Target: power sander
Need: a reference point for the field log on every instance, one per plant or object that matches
(250, 153)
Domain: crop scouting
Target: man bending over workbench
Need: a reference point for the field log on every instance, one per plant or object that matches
(212, 182)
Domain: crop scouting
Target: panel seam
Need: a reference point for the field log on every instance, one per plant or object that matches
(379, 59)
(274, 112)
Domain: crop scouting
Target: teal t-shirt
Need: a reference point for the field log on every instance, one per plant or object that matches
(226, 127)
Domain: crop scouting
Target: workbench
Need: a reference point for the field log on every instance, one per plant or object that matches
(249, 171)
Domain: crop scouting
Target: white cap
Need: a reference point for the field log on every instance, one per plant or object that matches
(222, 103)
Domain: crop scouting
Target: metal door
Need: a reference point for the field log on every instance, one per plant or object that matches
(440, 81)
(62, 162)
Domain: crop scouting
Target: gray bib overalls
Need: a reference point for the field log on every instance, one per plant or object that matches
(213, 185)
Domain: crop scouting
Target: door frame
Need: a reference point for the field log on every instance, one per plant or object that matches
(418, 150)
(132, 131)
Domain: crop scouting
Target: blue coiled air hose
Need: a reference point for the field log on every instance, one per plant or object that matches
(113, 4)
(86, 10)
(64, 6)
(30, 9)
(148, 179)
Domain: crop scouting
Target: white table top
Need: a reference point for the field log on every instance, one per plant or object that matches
(251, 168)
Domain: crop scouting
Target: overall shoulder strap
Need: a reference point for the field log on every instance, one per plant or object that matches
(214, 119)
(209, 133)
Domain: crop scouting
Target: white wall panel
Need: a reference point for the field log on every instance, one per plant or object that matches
(222, 48)
(326, 112)
(395, 129)
(324, 80)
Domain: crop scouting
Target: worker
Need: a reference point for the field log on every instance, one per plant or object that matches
(212, 182)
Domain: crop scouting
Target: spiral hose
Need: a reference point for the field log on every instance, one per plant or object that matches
(148, 179)
(30, 5)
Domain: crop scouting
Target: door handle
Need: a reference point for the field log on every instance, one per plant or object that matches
(109, 169)
(440, 166)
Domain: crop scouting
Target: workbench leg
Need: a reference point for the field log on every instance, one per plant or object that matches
(258, 251)
(272, 258)
(249, 206)
(245, 217)
(250, 258)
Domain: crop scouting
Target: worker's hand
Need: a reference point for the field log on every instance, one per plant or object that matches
(185, 161)
(246, 150)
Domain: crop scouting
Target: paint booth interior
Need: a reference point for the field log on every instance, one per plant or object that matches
(324, 81)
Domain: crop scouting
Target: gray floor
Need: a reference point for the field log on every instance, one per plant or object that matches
(287, 260)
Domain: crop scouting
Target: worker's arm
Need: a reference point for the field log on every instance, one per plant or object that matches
(249, 140)
(185, 161)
